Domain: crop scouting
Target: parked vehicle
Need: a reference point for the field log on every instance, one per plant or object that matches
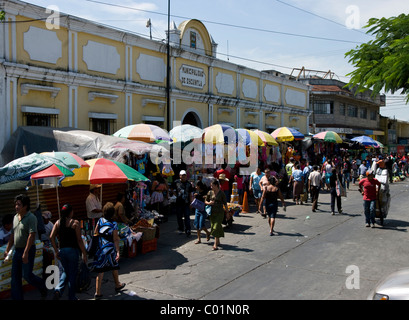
(393, 287)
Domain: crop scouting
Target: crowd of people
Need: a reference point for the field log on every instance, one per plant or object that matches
(207, 198)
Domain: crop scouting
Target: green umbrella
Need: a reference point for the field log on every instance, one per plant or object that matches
(70, 159)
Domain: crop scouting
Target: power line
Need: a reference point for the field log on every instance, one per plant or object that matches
(318, 16)
(208, 21)
(256, 61)
(232, 25)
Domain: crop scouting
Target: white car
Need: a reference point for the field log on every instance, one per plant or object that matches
(393, 287)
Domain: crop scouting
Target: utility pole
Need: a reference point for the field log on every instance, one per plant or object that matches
(168, 73)
(149, 25)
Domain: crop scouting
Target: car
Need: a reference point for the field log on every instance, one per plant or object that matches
(393, 287)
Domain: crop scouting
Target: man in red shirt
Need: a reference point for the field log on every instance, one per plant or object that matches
(369, 187)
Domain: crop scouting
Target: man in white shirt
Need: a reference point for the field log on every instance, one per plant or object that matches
(314, 186)
(93, 205)
(48, 226)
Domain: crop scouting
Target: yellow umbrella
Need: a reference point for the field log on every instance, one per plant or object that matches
(267, 138)
(219, 134)
(287, 134)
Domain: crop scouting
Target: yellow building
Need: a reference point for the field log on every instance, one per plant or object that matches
(80, 74)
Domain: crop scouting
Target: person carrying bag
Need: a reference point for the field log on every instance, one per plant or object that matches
(200, 213)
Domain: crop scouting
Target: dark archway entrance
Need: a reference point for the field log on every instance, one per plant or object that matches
(192, 119)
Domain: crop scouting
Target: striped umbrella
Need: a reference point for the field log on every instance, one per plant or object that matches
(249, 137)
(287, 134)
(143, 132)
(54, 171)
(219, 134)
(328, 136)
(103, 170)
(266, 137)
(109, 171)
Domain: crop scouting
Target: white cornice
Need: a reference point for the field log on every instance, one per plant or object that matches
(111, 97)
(85, 80)
(26, 87)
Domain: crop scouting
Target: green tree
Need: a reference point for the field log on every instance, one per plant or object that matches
(2, 15)
(382, 63)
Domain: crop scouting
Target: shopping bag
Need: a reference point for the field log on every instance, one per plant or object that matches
(208, 210)
(93, 246)
(197, 204)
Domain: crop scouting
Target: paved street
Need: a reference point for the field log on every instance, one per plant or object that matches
(307, 259)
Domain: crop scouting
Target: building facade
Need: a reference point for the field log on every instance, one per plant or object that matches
(396, 135)
(84, 75)
(339, 109)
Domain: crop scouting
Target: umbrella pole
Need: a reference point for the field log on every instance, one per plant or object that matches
(38, 200)
(58, 198)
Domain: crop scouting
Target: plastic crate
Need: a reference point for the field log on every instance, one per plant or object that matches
(149, 245)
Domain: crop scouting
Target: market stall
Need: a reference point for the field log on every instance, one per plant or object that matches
(5, 270)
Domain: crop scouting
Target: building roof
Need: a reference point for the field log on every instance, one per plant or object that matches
(329, 88)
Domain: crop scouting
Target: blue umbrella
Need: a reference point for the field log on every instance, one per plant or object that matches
(365, 140)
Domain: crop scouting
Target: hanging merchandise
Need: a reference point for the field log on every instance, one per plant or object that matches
(167, 170)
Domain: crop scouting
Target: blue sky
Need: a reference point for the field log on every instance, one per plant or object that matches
(260, 34)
